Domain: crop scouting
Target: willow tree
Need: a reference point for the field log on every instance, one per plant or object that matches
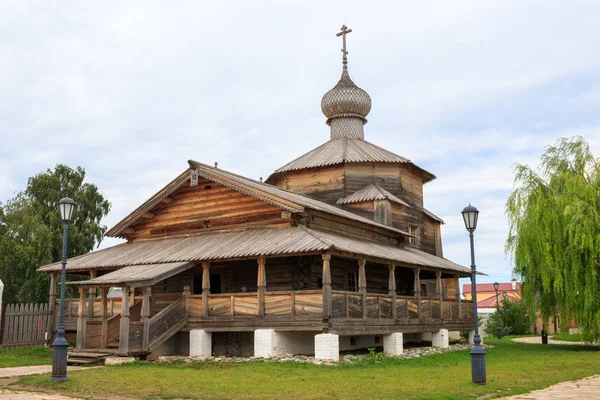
(554, 234)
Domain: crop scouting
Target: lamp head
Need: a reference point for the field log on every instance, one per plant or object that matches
(496, 286)
(470, 215)
(66, 207)
(504, 295)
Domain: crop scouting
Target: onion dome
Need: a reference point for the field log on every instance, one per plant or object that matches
(346, 106)
(346, 100)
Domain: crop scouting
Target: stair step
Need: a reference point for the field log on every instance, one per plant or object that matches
(82, 361)
(88, 355)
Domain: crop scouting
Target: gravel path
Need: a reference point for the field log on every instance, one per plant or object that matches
(20, 395)
(583, 389)
(32, 370)
(538, 340)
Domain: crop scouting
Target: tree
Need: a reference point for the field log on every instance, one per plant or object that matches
(31, 230)
(554, 235)
(516, 315)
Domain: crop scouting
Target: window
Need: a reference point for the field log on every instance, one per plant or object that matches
(377, 339)
(413, 230)
(353, 340)
(353, 281)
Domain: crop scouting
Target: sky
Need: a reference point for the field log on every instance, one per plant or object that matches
(132, 90)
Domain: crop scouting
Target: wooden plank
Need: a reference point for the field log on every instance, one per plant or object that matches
(278, 304)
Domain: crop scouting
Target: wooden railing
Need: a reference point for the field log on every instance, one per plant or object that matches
(306, 302)
(355, 305)
(112, 329)
(113, 307)
(93, 333)
(164, 325)
(345, 304)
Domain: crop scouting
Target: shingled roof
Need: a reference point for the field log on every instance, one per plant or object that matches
(290, 201)
(214, 246)
(343, 150)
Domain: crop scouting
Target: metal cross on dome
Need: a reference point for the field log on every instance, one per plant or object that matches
(343, 33)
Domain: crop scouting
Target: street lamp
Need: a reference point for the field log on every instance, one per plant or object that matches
(470, 215)
(505, 316)
(60, 347)
(498, 328)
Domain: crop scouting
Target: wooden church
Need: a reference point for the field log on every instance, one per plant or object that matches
(333, 252)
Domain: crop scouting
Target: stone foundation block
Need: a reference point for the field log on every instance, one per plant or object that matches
(393, 344)
(454, 336)
(327, 347)
(118, 360)
(440, 339)
(200, 343)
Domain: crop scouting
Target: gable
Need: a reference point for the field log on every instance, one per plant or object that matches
(208, 206)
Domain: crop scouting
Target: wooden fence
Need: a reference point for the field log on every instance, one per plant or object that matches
(25, 324)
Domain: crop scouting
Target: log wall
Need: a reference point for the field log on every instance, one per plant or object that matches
(206, 207)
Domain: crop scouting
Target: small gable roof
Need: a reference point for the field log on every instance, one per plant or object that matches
(289, 201)
(370, 193)
(433, 216)
(343, 150)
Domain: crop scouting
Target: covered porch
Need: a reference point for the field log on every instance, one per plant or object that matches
(326, 292)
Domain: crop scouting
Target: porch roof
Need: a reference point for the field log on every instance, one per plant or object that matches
(215, 246)
(137, 275)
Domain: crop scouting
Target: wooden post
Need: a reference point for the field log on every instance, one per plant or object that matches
(146, 317)
(392, 289)
(440, 291)
(261, 284)
(205, 287)
(326, 286)
(91, 297)
(362, 285)
(417, 272)
(52, 304)
(124, 328)
(104, 314)
(186, 297)
(131, 297)
(81, 321)
(457, 292)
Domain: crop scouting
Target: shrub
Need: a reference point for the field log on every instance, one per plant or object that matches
(518, 320)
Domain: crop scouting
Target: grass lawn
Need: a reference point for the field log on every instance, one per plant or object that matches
(568, 337)
(511, 368)
(24, 356)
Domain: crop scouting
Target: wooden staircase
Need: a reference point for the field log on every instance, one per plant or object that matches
(89, 357)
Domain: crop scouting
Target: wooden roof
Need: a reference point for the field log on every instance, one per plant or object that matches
(343, 150)
(137, 275)
(214, 246)
(433, 216)
(290, 201)
(370, 193)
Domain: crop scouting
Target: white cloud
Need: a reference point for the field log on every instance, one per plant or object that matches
(132, 90)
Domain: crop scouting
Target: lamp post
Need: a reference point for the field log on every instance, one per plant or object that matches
(470, 215)
(498, 328)
(505, 316)
(60, 346)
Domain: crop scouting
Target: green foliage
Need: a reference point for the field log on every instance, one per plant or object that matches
(518, 320)
(554, 236)
(31, 230)
(374, 357)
